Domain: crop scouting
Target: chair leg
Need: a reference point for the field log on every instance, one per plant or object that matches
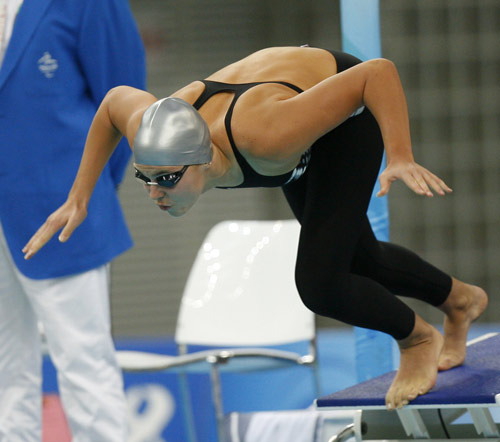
(313, 350)
(187, 408)
(217, 400)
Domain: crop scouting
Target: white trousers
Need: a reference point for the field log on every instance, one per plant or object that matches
(74, 313)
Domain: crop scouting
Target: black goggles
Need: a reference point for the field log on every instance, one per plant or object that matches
(166, 180)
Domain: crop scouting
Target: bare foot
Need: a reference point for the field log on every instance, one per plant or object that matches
(464, 304)
(417, 372)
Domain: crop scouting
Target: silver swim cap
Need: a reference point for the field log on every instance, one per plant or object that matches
(172, 133)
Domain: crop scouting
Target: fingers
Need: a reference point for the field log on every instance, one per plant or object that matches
(39, 239)
(425, 180)
(68, 230)
(437, 184)
(418, 184)
(385, 184)
(416, 177)
(53, 224)
(384, 188)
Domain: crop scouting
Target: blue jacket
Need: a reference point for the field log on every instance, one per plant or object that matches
(63, 56)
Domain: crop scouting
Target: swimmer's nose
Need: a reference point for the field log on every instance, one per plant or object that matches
(156, 192)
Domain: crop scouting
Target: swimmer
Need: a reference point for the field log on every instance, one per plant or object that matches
(315, 123)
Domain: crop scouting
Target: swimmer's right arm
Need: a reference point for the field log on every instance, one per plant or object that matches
(118, 115)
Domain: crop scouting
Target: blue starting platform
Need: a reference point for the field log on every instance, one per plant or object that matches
(471, 389)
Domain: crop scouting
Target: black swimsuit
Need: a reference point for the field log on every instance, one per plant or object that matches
(250, 177)
(342, 270)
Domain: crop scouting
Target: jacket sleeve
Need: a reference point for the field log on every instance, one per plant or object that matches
(111, 53)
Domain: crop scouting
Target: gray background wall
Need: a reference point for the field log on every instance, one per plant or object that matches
(447, 53)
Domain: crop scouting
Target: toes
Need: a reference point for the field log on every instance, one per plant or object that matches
(424, 388)
(408, 397)
(398, 398)
(401, 402)
(392, 399)
(389, 400)
(412, 394)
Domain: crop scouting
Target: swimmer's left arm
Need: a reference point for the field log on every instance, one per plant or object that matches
(302, 119)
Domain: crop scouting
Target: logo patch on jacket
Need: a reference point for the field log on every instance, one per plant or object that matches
(47, 65)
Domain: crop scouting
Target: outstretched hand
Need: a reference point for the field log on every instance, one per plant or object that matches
(416, 177)
(68, 217)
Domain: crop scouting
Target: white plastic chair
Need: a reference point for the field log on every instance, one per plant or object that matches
(241, 296)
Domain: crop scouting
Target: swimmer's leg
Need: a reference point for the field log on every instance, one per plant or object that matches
(404, 273)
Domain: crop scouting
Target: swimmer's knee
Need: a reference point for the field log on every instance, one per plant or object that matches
(321, 293)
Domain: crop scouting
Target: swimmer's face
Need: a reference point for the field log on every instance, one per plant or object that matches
(183, 186)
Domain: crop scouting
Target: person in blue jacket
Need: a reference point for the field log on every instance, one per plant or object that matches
(58, 58)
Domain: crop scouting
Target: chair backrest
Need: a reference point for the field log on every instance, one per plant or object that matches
(241, 289)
